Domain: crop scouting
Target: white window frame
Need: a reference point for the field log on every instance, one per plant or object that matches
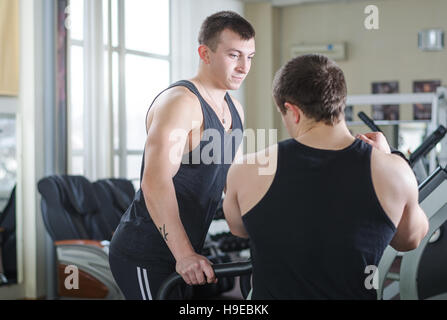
(9, 108)
(90, 134)
(76, 152)
(122, 152)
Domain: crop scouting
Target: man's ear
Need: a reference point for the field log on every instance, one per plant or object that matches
(204, 53)
(295, 111)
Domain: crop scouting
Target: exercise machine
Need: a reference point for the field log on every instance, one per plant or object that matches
(417, 156)
(422, 271)
(232, 269)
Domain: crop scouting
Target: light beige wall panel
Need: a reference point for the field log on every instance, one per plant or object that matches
(9, 47)
(388, 54)
(259, 102)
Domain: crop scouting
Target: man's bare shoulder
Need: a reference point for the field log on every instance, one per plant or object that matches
(392, 170)
(177, 104)
(252, 165)
(178, 97)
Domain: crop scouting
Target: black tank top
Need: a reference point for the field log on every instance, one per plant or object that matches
(198, 184)
(318, 226)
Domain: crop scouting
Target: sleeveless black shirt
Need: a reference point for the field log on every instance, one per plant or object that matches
(198, 184)
(319, 226)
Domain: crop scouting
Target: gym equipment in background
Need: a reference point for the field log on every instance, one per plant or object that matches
(225, 284)
(438, 105)
(233, 269)
(423, 271)
(416, 157)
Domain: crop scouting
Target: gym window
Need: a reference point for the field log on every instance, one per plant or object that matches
(8, 157)
(136, 62)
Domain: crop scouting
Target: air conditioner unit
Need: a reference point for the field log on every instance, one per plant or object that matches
(334, 51)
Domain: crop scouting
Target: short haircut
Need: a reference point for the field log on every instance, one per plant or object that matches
(315, 84)
(213, 25)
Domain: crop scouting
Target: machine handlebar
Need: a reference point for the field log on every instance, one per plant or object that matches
(231, 269)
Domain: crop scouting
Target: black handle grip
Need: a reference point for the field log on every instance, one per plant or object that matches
(428, 144)
(231, 269)
(368, 121)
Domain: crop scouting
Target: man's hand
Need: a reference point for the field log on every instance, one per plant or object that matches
(194, 269)
(376, 139)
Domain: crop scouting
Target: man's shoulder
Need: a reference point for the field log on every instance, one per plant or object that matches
(391, 169)
(178, 98)
(179, 94)
(389, 161)
(250, 165)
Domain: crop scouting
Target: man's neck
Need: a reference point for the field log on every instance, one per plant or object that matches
(209, 87)
(322, 136)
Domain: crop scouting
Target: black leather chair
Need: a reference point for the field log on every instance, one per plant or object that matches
(126, 188)
(77, 208)
(8, 256)
(72, 217)
(115, 196)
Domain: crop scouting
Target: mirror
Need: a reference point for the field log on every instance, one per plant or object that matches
(8, 180)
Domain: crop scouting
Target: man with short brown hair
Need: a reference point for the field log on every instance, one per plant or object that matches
(164, 229)
(332, 204)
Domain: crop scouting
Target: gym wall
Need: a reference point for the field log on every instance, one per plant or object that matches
(388, 54)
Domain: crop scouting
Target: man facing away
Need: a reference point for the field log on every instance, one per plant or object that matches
(164, 229)
(331, 204)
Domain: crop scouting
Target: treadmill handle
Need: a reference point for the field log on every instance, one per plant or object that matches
(428, 144)
(369, 122)
(231, 269)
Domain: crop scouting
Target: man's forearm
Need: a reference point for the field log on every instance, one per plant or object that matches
(163, 209)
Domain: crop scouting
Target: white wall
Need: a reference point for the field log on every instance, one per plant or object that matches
(387, 54)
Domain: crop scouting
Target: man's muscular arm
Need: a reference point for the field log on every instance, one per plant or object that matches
(413, 226)
(412, 223)
(231, 207)
(171, 123)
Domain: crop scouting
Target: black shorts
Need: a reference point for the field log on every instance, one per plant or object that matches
(141, 281)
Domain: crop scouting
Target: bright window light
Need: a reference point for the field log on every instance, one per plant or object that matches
(147, 26)
(77, 97)
(76, 19)
(145, 78)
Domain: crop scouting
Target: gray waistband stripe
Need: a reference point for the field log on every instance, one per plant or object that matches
(140, 283)
(148, 289)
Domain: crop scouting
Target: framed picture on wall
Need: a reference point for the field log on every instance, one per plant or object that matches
(389, 111)
(423, 111)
